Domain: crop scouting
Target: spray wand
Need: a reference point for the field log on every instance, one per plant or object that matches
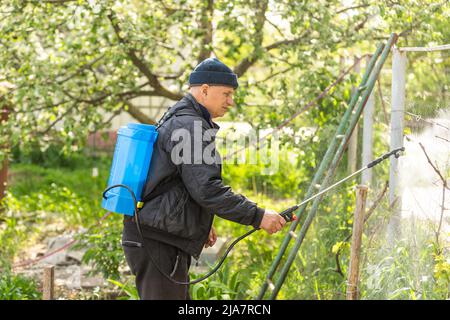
(395, 152)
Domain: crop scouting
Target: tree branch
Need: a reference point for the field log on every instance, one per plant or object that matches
(247, 62)
(260, 18)
(140, 64)
(352, 8)
(171, 10)
(361, 25)
(62, 116)
(409, 30)
(275, 27)
(442, 138)
(50, 1)
(281, 43)
(276, 74)
(444, 186)
(86, 66)
(114, 114)
(438, 231)
(444, 181)
(207, 29)
(123, 95)
(138, 114)
(43, 107)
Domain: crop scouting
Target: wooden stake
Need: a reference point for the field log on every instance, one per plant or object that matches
(48, 283)
(355, 249)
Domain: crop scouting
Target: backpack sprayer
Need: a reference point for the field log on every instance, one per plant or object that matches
(129, 170)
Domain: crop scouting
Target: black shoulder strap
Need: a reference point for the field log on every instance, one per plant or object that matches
(172, 180)
(166, 116)
(173, 111)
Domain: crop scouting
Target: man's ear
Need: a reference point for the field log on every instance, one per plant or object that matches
(204, 89)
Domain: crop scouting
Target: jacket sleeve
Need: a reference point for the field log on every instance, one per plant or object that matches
(198, 162)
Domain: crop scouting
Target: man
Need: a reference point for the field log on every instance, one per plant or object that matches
(183, 192)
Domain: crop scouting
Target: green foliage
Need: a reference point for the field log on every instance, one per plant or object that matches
(442, 274)
(11, 238)
(61, 192)
(42, 195)
(18, 287)
(279, 179)
(224, 285)
(16, 225)
(104, 249)
(410, 270)
(54, 155)
(128, 288)
(75, 61)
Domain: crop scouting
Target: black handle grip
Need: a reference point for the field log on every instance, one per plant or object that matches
(288, 214)
(385, 156)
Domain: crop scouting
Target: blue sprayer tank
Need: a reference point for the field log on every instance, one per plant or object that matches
(130, 165)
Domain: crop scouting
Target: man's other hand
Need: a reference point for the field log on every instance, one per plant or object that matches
(212, 238)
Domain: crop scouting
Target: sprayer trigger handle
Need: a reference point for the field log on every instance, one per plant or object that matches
(288, 214)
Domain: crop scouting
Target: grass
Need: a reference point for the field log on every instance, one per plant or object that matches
(70, 194)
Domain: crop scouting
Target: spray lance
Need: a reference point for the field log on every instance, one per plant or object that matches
(128, 175)
(395, 152)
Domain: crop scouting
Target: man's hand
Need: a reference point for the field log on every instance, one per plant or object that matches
(212, 238)
(272, 222)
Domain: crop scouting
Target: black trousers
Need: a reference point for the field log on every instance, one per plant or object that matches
(150, 283)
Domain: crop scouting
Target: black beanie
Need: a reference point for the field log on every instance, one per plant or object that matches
(212, 71)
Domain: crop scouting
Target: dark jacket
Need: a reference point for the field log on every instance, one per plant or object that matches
(183, 215)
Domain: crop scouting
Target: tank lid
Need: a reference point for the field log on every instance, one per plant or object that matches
(138, 131)
(140, 126)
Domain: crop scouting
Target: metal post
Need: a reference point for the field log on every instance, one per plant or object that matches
(397, 118)
(352, 150)
(367, 145)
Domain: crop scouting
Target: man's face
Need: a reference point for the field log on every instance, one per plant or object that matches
(217, 99)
